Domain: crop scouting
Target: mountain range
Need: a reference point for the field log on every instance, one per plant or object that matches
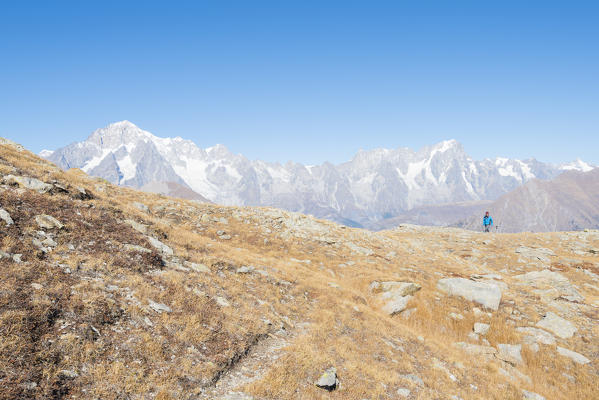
(371, 189)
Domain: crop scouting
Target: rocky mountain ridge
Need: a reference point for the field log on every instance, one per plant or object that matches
(373, 186)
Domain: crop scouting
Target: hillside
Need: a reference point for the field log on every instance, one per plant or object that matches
(370, 189)
(566, 203)
(112, 293)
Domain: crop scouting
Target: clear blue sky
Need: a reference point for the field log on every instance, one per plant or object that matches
(307, 81)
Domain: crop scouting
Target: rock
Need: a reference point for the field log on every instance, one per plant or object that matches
(83, 194)
(161, 247)
(393, 289)
(197, 267)
(328, 380)
(475, 349)
(487, 294)
(48, 222)
(5, 216)
(557, 325)
(49, 242)
(538, 335)
(359, 249)
(414, 378)
(554, 279)
(37, 286)
(245, 269)
(574, 356)
(66, 373)
(510, 353)
(480, 328)
(159, 307)
(403, 392)
(221, 301)
(135, 247)
(139, 227)
(225, 237)
(205, 219)
(140, 206)
(531, 395)
(456, 317)
(540, 254)
(29, 183)
(236, 396)
(396, 305)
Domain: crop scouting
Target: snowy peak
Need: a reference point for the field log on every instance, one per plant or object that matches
(577, 165)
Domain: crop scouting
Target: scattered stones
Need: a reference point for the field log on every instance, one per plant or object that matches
(48, 222)
(161, 247)
(510, 353)
(5, 216)
(328, 380)
(486, 294)
(557, 325)
(574, 356)
(480, 328)
(159, 307)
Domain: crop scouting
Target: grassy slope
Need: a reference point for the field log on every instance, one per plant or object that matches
(92, 316)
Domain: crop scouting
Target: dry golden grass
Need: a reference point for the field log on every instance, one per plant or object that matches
(307, 282)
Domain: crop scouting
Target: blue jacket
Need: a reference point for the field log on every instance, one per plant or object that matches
(487, 221)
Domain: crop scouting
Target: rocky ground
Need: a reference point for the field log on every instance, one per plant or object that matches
(109, 293)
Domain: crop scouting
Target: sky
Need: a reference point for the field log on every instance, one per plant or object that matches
(308, 81)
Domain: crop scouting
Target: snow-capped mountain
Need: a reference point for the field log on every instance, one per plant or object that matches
(374, 185)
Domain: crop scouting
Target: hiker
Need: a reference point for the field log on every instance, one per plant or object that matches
(487, 222)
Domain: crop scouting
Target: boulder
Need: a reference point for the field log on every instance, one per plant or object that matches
(574, 356)
(484, 293)
(48, 222)
(510, 353)
(29, 183)
(526, 395)
(328, 380)
(396, 305)
(480, 328)
(159, 307)
(555, 280)
(161, 247)
(5, 216)
(538, 335)
(557, 325)
(403, 392)
(395, 294)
